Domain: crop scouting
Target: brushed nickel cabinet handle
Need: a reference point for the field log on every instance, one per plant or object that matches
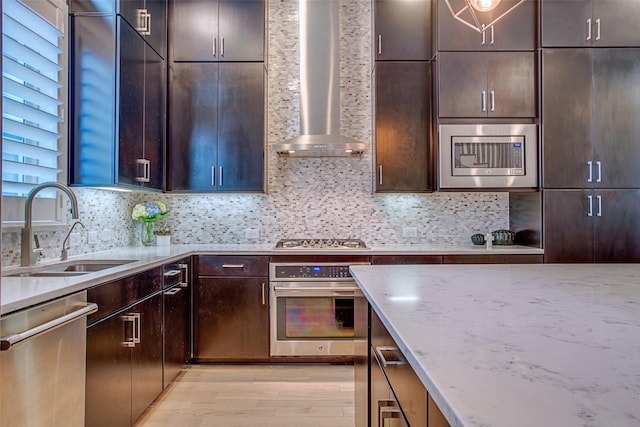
(590, 206)
(599, 165)
(492, 100)
(484, 37)
(221, 181)
(492, 35)
(597, 29)
(590, 169)
(185, 275)
(380, 174)
(483, 101)
(232, 265)
(222, 47)
(599, 205)
(215, 42)
(213, 176)
(379, 44)
(264, 301)
(589, 29)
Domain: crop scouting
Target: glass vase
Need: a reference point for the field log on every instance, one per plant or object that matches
(147, 236)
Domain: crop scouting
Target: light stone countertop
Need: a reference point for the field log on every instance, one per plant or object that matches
(517, 345)
(22, 292)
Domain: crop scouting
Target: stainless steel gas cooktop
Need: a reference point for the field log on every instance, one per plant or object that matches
(321, 244)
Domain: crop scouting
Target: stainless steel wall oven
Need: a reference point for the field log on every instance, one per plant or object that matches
(312, 309)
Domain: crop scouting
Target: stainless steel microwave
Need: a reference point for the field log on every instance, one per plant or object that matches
(489, 155)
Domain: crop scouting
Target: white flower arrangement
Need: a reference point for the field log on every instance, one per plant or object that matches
(149, 211)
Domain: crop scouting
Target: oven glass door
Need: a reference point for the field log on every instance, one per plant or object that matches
(312, 318)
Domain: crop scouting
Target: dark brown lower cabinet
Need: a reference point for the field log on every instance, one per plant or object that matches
(124, 364)
(591, 226)
(231, 319)
(402, 128)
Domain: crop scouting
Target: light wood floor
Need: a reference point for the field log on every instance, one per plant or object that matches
(256, 396)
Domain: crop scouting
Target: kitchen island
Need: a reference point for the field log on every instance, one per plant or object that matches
(517, 345)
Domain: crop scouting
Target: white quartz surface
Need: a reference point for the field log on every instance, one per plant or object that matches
(518, 345)
(21, 292)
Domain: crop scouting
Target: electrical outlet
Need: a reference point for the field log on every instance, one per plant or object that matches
(92, 237)
(409, 232)
(251, 233)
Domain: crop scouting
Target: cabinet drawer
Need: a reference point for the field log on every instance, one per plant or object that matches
(493, 259)
(214, 265)
(407, 387)
(112, 296)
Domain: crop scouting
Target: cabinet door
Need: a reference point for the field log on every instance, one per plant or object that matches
(567, 23)
(176, 331)
(566, 130)
(193, 129)
(154, 113)
(514, 31)
(108, 380)
(146, 367)
(130, 103)
(403, 109)
(231, 319)
(194, 30)
(241, 127)
(616, 109)
(568, 228)
(511, 86)
(463, 84)
(402, 30)
(92, 100)
(617, 228)
(614, 22)
(241, 30)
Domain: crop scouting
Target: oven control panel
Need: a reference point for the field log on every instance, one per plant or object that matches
(310, 271)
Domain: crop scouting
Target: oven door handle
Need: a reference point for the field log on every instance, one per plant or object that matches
(316, 291)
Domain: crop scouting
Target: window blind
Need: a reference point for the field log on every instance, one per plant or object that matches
(31, 103)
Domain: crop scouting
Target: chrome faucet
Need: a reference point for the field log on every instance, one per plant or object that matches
(29, 254)
(63, 253)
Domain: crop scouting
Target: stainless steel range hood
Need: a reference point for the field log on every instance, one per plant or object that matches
(319, 87)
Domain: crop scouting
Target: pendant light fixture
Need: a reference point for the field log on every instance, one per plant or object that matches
(468, 10)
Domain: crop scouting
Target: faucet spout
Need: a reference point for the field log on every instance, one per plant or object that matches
(28, 254)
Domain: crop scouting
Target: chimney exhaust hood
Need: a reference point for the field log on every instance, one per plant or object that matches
(319, 87)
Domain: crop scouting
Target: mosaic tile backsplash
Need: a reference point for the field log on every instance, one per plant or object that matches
(306, 197)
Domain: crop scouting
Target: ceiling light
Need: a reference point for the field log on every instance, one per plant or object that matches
(484, 5)
(465, 11)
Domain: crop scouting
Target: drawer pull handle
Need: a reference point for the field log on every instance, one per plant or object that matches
(232, 265)
(171, 273)
(385, 363)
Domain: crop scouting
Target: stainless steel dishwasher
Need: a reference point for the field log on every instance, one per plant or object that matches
(42, 363)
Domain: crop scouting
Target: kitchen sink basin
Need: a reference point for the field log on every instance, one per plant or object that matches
(70, 268)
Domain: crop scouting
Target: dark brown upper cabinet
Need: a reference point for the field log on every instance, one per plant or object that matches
(402, 30)
(147, 17)
(224, 30)
(402, 125)
(590, 23)
(590, 110)
(591, 226)
(216, 133)
(487, 84)
(117, 108)
(515, 31)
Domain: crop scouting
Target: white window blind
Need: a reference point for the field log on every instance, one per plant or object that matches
(32, 98)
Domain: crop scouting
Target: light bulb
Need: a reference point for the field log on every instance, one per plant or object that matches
(484, 5)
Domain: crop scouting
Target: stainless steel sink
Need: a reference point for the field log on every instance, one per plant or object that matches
(70, 268)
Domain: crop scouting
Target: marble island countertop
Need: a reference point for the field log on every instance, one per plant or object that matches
(21, 292)
(517, 345)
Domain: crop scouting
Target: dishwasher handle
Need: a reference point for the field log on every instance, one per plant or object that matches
(10, 341)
